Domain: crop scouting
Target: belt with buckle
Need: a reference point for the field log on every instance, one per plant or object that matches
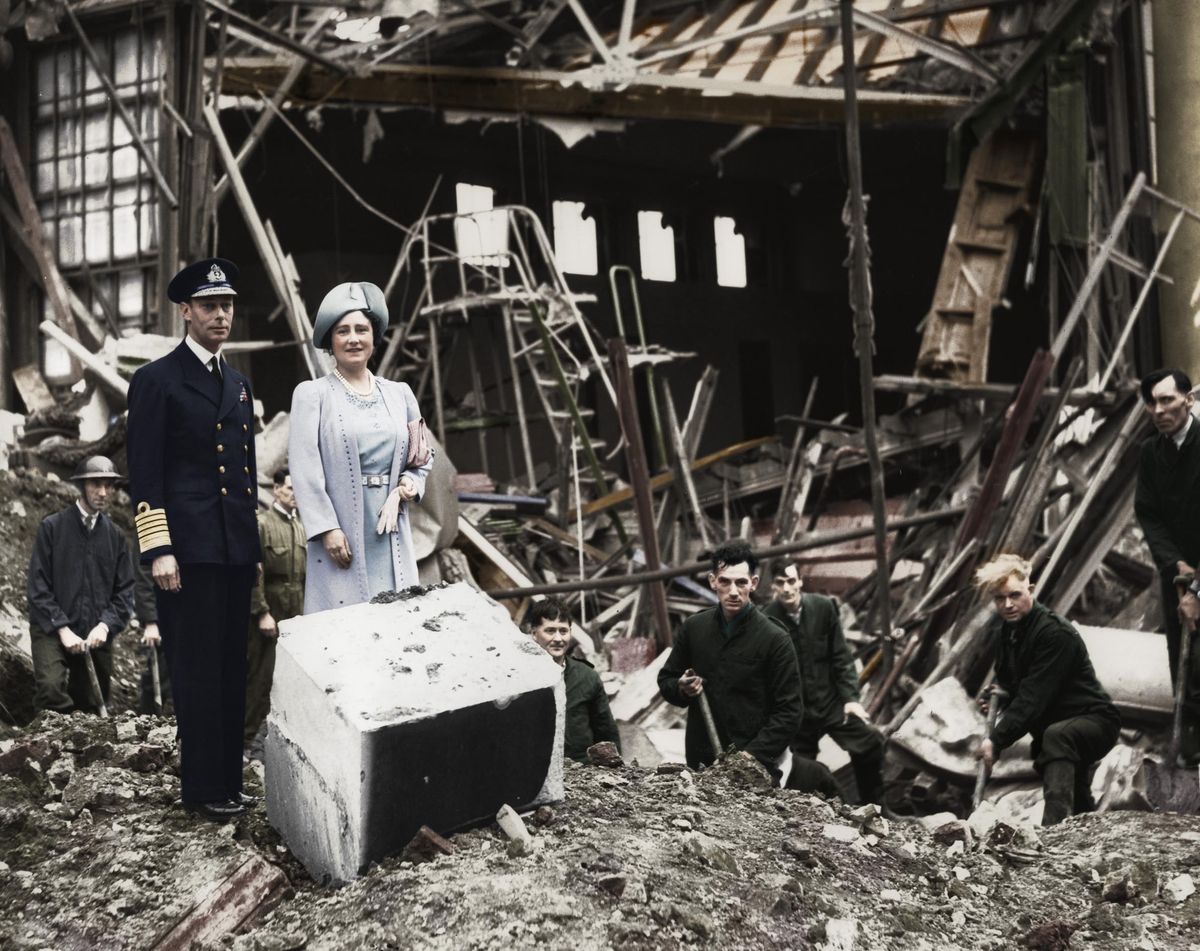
(375, 481)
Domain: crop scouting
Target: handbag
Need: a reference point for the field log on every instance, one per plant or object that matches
(419, 449)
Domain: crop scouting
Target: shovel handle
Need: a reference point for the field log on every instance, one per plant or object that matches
(155, 679)
(981, 773)
(1186, 632)
(91, 669)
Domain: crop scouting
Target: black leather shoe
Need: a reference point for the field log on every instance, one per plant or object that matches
(247, 800)
(216, 811)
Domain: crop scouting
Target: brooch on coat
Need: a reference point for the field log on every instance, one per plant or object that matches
(243, 398)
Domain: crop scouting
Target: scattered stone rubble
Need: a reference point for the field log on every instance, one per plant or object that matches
(96, 852)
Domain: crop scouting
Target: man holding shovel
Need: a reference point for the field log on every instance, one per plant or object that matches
(740, 664)
(1043, 665)
(80, 590)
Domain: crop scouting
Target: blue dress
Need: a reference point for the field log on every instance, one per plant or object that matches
(375, 431)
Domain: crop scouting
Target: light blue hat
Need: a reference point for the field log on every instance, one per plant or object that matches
(344, 299)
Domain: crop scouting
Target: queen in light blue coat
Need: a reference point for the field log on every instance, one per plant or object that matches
(359, 456)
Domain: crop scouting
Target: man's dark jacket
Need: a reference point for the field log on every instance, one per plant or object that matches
(190, 445)
(78, 578)
(827, 672)
(589, 719)
(1043, 664)
(1167, 501)
(750, 678)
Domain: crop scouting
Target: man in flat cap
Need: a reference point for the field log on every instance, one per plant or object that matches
(80, 589)
(192, 480)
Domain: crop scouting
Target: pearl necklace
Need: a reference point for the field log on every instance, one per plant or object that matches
(346, 383)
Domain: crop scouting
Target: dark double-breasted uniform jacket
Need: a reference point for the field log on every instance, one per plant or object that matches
(191, 462)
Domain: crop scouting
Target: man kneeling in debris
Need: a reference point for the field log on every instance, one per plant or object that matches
(830, 683)
(80, 588)
(1043, 665)
(740, 660)
(589, 719)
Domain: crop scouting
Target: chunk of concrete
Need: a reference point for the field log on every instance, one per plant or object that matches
(433, 710)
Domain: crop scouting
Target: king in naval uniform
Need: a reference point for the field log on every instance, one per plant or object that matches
(192, 481)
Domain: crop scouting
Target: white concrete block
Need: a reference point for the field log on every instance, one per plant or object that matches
(433, 710)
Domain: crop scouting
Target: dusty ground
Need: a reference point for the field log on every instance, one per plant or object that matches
(97, 853)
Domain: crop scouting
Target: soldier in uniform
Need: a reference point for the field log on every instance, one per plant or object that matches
(192, 480)
(279, 595)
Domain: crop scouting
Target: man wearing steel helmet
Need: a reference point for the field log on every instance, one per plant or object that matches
(192, 481)
(80, 589)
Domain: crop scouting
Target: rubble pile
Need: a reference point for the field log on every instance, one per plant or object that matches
(96, 851)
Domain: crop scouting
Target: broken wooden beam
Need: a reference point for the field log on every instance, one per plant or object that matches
(92, 363)
(811, 541)
(226, 905)
(664, 479)
(639, 476)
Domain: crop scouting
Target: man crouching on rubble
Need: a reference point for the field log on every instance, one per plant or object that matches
(1043, 665)
(589, 719)
(742, 661)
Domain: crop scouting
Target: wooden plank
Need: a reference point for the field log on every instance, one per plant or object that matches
(993, 392)
(664, 479)
(561, 534)
(33, 231)
(92, 363)
(228, 904)
(978, 257)
(267, 249)
(32, 388)
(555, 92)
(639, 476)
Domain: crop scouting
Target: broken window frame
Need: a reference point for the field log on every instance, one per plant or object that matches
(73, 176)
(576, 243)
(652, 267)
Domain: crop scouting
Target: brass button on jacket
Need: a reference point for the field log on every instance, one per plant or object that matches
(221, 469)
(249, 491)
(218, 427)
(220, 448)
(224, 491)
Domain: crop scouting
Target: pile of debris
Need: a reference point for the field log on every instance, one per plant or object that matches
(96, 851)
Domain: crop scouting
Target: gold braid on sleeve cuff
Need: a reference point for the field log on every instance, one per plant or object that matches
(151, 527)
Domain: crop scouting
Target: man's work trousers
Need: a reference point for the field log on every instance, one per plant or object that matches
(61, 680)
(862, 741)
(1080, 741)
(260, 668)
(203, 628)
(1191, 695)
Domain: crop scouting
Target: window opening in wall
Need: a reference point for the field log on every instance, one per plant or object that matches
(574, 238)
(94, 192)
(731, 253)
(481, 236)
(656, 243)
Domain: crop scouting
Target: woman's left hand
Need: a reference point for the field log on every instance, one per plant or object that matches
(389, 515)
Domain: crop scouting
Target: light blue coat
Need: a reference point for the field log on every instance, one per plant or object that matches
(324, 462)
